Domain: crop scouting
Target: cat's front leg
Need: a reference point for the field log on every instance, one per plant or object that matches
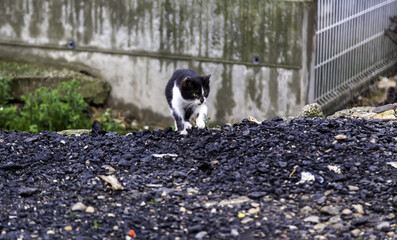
(201, 116)
(200, 122)
(183, 132)
(179, 123)
(188, 125)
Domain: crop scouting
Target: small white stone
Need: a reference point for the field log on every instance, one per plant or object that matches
(340, 137)
(356, 232)
(335, 219)
(234, 232)
(192, 191)
(319, 227)
(253, 211)
(255, 205)
(383, 226)
(50, 232)
(111, 215)
(353, 188)
(359, 208)
(312, 219)
(347, 211)
(78, 207)
(182, 209)
(247, 220)
(90, 209)
(292, 227)
(306, 209)
(201, 235)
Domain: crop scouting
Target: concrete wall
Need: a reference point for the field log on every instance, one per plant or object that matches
(136, 45)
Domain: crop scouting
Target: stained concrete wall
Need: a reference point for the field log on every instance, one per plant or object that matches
(136, 45)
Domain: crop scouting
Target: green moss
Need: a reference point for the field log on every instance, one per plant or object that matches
(13, 69)
(312, 110)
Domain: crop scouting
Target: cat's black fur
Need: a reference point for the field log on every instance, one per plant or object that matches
(186, 94)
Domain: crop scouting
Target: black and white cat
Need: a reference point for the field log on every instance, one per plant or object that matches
(187, 94)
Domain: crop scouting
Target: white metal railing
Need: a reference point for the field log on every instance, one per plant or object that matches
(351, 45)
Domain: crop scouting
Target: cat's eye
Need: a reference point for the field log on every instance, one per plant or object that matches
(195, 95)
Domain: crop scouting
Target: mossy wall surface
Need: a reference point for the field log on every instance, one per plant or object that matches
(136, 45)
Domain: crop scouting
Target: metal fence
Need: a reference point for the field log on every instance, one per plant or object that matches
(351, 48)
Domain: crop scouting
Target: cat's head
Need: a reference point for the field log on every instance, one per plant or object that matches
(196, 88)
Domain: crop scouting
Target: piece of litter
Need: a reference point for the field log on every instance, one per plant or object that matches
(154, 185)
(165, 154)
(393, 164)
(306, 177)
(132, 233)
(334, 168)
(112, 180)
(253, 120)
(293, 170)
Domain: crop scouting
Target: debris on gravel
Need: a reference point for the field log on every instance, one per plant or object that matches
(297, 179)
(384, 113)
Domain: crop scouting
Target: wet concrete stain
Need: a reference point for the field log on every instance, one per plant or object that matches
(224, 100)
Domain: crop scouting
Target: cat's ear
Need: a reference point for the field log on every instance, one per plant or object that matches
(187, 82)
(206, 79)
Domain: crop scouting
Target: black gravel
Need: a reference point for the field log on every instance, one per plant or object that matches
(237, 182)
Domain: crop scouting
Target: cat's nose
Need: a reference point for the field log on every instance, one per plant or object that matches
(201, 100)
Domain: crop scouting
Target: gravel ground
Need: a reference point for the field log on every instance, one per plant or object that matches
(297, 179)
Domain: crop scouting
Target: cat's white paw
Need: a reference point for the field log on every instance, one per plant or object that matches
(188, 125)
(200, 123)
(183, 132)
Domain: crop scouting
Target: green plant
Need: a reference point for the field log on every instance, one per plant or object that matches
(54, 110)
(9, 117)
(209, 124)
(73, 215)
(45, 109)
(109, 122)
(154, 201)
(96, 224)
(5, 90)
(8, 114)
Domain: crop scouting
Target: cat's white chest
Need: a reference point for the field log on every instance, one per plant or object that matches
(178, 102)
(180, 105)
